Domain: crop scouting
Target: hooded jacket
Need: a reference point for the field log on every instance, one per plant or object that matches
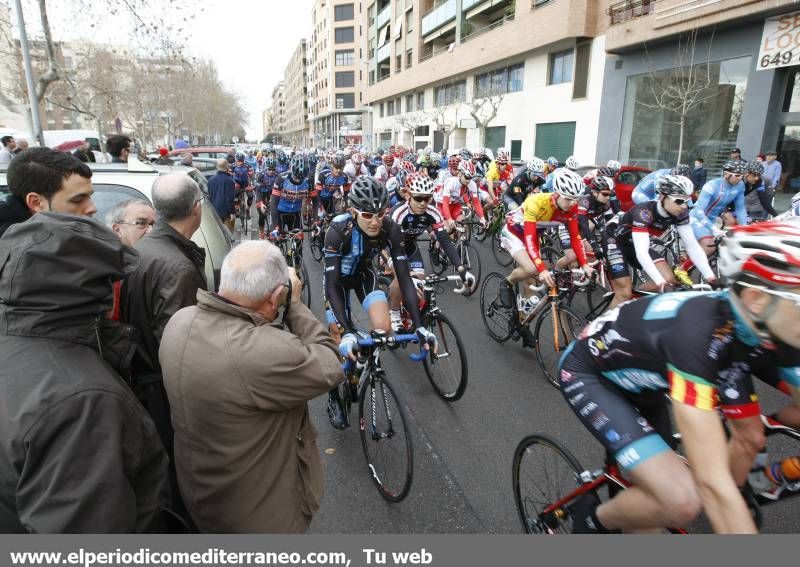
(12, 211)
(78, 453)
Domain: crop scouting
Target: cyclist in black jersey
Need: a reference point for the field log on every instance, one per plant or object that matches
(415, 216)
(527, 181)
(627, 242)
(266, 183)
(351, 242)
(702, 349)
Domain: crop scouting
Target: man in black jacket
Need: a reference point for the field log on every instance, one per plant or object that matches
(78, 453)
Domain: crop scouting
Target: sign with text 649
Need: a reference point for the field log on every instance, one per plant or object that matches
(780, 42)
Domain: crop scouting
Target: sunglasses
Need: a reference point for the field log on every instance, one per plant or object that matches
(678, 201)
(605, 193)
(793, 297)
(421, 199)
(370, 216)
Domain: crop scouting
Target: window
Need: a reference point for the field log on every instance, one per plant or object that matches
(515, 78)
(343, 35)
(409, 58)
(499, 81)
(390, 108)
(372, 77)
(409, 21)
(345, 79)
(561, 67)
(421, 101)
(381, 109)
(454, 92)
(398, 64)
(344, 58)
(343, 12)
(579, 85)
(422, 131)
(346, 100)
(410, 103)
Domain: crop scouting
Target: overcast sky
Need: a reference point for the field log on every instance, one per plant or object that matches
(250, 41)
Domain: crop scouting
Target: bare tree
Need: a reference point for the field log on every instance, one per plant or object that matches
(410, 121)
(685, 88)
(483, 110)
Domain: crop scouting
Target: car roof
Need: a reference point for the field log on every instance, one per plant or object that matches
(201, 149)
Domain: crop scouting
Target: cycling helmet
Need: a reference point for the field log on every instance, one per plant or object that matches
(407, 166)
(796, 199)
(764, 254)
(552, 162)
(239, 156)
(681, 169)
(357, 158)
(467, 168)
(465, 154)
(435, 157)
(480, 153)
(388, 160)
(270, 163)
(614, 165)
(734, 166)
(675, 185)
(571, 163)
(602, 183)
(401, 177)
(299, 167)
(605, 172)
(282, 158)
(427, 151)
(502, 155)
(568, 183)
(755, 168)
(368, 195)
(337, 161)
(535, 166)
(421, 185)
(453, 161)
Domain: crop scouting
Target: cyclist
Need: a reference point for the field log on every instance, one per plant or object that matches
(266, 182)
(416, 216)
(456, 192)
(519, 236)
(290, 190)
(714, 199)
(283, 162)
(430, 168)
(355, 167)
(527, 181)
(482, 161)
(242, 174)
(386, 169)
(758, 200)
(794, 209)
(351, 242)
(645, 190)
(330, 181)
(552, 165)
(701, 348)
(500, 174)
(611, 170)
(571, 164)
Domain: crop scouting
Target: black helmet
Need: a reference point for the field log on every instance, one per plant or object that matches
(338, 161)
(734, 166)
(270, 163)
(282, 157)
(368, 195)
(681, 169)
(602, 183)
(299, 167)
(756, 168)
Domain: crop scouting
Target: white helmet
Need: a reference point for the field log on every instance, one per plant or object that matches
(614, 164)
(536, 165)
(676, 185)
(502, 155)
(571, 163)
(568, 183)
(421, 185)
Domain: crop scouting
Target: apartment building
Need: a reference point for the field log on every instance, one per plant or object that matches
(278, 110)
(337, 76)
(733, 58)
(13, 114)
(295, 130)
(523, 74)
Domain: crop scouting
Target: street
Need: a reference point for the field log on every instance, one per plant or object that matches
(463, 451)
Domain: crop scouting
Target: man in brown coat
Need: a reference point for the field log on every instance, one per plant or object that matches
(238, 370)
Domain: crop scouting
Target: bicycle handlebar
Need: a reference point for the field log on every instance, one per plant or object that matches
(394, 340)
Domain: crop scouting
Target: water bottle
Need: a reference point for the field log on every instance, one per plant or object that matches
(788, 470)
(526, 305)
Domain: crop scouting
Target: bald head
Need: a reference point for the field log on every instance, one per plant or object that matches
(222, 164)
(174, 196)
(252, 270)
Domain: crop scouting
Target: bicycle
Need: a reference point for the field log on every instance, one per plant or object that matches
(291, 245)
(469, 256)
(556, 323)
(447, 370)
(317, 238)
(242, 212)
(495, 224)
(381, 416)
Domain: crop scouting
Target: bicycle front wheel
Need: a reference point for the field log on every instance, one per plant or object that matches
(385, 438)
(447, 370)
(501, 255)
(306, 293)
(471, 260)
(544, 473)
(555, 329)
(496, 318)
(316, 245)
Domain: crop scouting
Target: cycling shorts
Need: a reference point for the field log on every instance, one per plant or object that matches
(456, 210)
(621, 255)
(510, 242)
(365, 284)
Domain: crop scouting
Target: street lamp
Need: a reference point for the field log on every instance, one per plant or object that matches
(167, 117)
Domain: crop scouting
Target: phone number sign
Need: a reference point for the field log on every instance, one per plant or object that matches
(780, 42)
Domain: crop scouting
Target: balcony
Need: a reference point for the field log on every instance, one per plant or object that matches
(383, 17)
(383, 53)
(630, 9)
(439, 16)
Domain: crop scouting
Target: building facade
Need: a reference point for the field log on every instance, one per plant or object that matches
(278, 112)
(337, 76)
(710, 52)
(296, 98)
(469, 73)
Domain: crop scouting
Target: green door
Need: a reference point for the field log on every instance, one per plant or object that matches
(495, 138)
(555, 139)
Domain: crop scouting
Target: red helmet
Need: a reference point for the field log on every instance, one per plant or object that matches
(452, 162)
(502, 156)
(764, 254)
(410, 178)
(408, 166)
(467, 168)
(357, 158)
(388, 160)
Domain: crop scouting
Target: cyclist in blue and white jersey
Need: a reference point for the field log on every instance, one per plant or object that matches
(645, 190)
(714, 199)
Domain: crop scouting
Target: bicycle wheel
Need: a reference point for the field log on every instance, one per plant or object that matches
(480, 234)
(472, 262)
(590, 301)
(438, 261)
(305, 296)
(316, 247)
(544, 472)
(496, 318)
(385, 438)
(553, 337)
(551, 255)
(447, 370)
(501, 255)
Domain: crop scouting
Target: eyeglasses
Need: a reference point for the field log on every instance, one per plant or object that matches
(421, 198)
(140, 223)
(605, 193)
(370, 216)
(678, 201)
(200, 200)
(733, 174)
(788, 295)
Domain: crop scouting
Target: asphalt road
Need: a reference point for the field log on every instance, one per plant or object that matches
(463, 451)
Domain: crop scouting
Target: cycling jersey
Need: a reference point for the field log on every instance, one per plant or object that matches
(542, 207)
(241, 175)
(590, 209)
(383, 173)
(645, 190)
(499, 174)
(454, 195)
(695, 346)
(351, 172)
(328, 184)
(267, 182)
(413, 225)
(348, 266)
(758, 201)
(287, 198)
(521, 186)
(714, 198)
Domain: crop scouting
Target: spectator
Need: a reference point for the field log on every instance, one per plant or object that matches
(699, 174)
(22, 145)
(162, 157)
(41, 179)
(84, 153)
(9, 145)
(761, 157)
(171, 270)
(736, 154)
(773, 171)
(131, 220)
(78, 453)
(222, 191)
(119, 147)
(245, 448)
(187, 160)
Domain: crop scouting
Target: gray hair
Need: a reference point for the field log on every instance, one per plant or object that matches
(174, 196)
(117, 213)
(186, 159)
(253, 269)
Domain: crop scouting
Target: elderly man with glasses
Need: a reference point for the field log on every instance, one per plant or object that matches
(131, 220)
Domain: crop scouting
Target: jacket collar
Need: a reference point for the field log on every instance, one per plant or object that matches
(192, 251)
(213, 302)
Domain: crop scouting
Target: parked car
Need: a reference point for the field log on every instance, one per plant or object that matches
(625, 181)
(213, 152)
(117, 182)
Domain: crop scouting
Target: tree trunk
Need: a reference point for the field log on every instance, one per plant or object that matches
(680, 137)
(51, 75)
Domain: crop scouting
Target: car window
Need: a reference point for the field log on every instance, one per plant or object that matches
(642, 174)
(628, 178)
(106, 196)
